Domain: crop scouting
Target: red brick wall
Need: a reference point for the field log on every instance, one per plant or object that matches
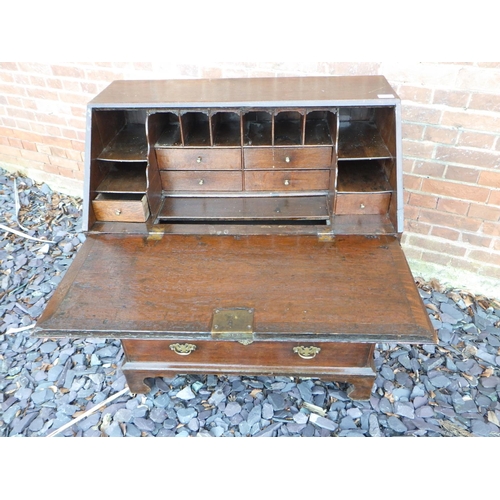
(451, 139)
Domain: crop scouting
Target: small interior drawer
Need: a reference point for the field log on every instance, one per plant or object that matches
(200, 180)
(285, 158)
(362, 203)
(286, 180)
(125, 207)
(199, 159)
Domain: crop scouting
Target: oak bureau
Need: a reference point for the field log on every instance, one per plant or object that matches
(243, 226)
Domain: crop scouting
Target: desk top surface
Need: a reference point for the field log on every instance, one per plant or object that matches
(220, 92)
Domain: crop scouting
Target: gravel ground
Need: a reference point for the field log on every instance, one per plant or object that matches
(449, 389)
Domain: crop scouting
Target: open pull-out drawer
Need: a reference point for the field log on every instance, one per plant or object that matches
(302, 293)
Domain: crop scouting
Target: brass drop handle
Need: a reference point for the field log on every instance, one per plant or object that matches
(198, 160)
(286, 182)
(183, 349)
(287, 159)
(201, 182)
(118, 211)
(309, 352)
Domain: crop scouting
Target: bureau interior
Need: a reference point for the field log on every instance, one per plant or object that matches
(316, 166)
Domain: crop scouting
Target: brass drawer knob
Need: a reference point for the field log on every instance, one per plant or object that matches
(287, 159)
(307, 352)
(118, 211)
(183, 349)
(286, 182)
(198, 160)
(201, 182)
(362, 206)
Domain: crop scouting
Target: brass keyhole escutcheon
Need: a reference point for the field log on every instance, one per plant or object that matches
(201, 182)
(309, 352)
(286, 182)
(198, 160)
(183, 349)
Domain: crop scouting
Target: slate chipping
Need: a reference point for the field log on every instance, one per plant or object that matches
(451, 389)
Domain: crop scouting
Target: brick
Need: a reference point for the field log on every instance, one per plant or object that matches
(418, 149)
(8, 89)
(35, 156)
(8, 122)
(496, 245)
(89, 88)
(461, 174)
(476, 240)
(494, 198)
(9, 65)
(489, 257)
(423, 200)
(489, 178)
(6, 77)
(30, 67)
(30, 146)
(471, 120)
(412, 182)
(436, 258)
(108, 76)
(484, 212)
(486, 102)
(445, 232)
(421, 114)
(482, 80)
(42, 148)
(15, 143)
(417, 227)
(37, 81)
(73, 98)
(70, 85)
(453, 206)
(466, 265)
(54, 83)
(69, 134)
(407, 165)
(429, 169)
(437, 246)
(68, 71)
(21, 79)
(476, 140)
(412, 253)
(412, 131)
(55, 151)
(38, 93)
(415, 94)
(452, 221)
(19, 113)
(441, 135)
(411, 213)
(468, 156)
(491, 229)
(424, 74)
(455, 190)
(9, 150)
(78, 146)
(63, 163)
(452, 98)
(54, 119)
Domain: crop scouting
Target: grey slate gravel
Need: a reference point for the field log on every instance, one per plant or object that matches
(45, 383)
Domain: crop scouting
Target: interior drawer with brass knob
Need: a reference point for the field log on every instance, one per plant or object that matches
(286, 180)
(199, 159)
(279, 158)
(125, 207)
(362, 203)
(200, 180)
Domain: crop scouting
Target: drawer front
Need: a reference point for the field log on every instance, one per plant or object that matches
(362, 203)
(107, 209)
(287, 180)
(287, 356)
(199, 159)
(286, 158)
(200, 180)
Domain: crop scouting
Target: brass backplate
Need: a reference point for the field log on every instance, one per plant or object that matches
(235, 323)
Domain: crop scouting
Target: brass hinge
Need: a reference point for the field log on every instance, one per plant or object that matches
(234, 323)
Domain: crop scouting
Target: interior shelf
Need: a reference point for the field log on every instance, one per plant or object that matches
(196, 129)
(171, 133)
(258, 129)
(226, 129)
(359, 140)
(288, 128)
(319, 128)
(124, 179)
(289, 208)
(362, 177)
(128, 145)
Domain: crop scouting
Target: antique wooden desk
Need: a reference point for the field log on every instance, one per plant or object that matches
(243, 226)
